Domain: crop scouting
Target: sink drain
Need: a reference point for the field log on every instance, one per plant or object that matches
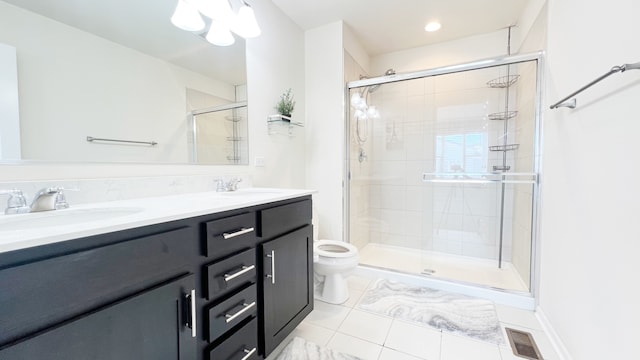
(523, 345)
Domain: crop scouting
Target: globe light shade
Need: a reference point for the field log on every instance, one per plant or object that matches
(187, 17)
(372, 112)
(246, 24)
(355, 99)
(219, 34)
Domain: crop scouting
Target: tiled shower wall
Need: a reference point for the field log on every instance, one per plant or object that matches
(423, 126)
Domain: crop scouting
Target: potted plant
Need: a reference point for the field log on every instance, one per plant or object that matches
(285, 105)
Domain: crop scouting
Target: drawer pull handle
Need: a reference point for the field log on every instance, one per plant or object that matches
(272, 276)
(237, 233)
(245, 269)
(246, 307)
(249, 353)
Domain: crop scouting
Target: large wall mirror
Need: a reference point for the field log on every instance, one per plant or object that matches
(93, 71)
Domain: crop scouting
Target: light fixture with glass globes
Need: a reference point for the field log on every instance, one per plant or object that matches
(188, 16)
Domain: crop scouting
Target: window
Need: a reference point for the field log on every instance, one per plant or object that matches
(461, 153)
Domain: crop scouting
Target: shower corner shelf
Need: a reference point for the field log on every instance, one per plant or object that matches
(508, 147)
(503, 81)
(501, 167)
(280, 124)
(505, 115)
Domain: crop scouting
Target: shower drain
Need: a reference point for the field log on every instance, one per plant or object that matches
(428, 272)
(523, 345)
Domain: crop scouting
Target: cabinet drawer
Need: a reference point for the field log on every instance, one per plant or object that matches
(282, 219)
(231, 312)
(243, 345)
(230, 234)
(229, 274)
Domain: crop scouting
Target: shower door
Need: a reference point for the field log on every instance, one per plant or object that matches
(442, 169)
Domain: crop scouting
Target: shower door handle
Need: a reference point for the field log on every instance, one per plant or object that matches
(272, 276)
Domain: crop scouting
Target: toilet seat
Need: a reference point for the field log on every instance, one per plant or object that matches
(334, 249)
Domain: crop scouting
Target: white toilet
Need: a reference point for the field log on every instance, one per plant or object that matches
(332, 262)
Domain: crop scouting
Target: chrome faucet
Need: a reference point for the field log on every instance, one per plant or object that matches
(46, 199)
(232, 185)
(17, 203)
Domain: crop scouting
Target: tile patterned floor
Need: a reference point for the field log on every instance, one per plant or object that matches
(369, 336)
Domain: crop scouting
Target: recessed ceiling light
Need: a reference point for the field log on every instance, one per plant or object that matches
(432, 26)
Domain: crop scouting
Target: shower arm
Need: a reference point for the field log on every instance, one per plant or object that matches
(615, 69)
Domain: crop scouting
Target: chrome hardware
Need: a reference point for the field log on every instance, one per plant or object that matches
(571, 104)
(237, 233)
(17, 203)
(220, 185)
(191, 298)
(151, 143)
(52, 198)
(232, 185)
(245, 269)
(246, 307)
(249, 353)
(616, 69)
(272, 276)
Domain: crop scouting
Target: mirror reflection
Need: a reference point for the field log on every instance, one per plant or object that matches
(118, 70)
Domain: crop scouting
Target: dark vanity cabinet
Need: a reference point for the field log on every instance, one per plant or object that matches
(225, 286)
(151, 325)
(114, 297)
(268, 253)
(287, 284)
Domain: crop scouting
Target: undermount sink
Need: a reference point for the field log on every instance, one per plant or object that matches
(62, 217)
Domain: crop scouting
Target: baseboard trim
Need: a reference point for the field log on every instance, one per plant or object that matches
(557, 343)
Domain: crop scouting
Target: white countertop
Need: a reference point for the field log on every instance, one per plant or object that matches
(28, 230)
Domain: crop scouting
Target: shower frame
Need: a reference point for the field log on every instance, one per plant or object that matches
(538, 57)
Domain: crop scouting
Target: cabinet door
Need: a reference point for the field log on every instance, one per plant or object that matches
(149, 326)
(287, 284)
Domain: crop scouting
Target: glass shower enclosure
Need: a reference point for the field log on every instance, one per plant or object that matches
(442, 171)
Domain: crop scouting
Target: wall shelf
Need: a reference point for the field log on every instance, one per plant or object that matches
(282, 125)
(508, 147)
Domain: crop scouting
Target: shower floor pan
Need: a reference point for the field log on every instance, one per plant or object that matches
(461, 268)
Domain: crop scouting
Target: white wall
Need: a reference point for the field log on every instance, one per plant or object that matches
(590, 195)
(275, 62)
(441, 54)
(325, 125)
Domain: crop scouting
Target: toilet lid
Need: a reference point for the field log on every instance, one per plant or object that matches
(334, 249)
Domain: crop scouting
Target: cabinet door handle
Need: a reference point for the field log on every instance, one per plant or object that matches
(237, 233)
(249, 353)
(272, 256)
(245, 269)
(245, 308)
(191, 297)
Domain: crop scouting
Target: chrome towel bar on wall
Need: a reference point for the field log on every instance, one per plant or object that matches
(151, 143)
(565, 102)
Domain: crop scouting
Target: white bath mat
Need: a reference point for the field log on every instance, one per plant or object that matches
(458, 314)
(301, 349)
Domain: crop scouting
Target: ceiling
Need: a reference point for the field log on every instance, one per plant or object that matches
(385, 26)
(145, 25)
